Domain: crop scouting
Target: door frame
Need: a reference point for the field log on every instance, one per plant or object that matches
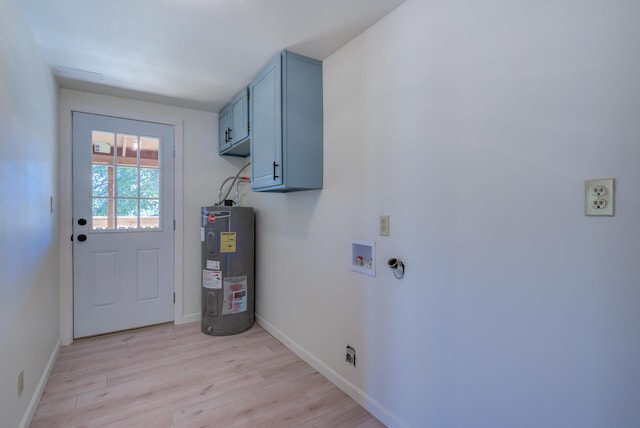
(66, 209)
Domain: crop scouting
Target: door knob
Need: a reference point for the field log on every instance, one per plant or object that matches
(82, 221)
(82, 238)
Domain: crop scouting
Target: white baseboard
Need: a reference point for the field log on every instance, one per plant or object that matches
(37, 394)
(190, 318)
(361, 397)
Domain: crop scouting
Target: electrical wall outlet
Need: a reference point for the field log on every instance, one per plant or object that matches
(599, 197)
(384, 225)
(350, 357)
(20, 382)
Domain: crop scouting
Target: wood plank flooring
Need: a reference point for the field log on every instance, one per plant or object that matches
(176, 377)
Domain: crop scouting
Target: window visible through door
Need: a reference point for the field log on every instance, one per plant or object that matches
(125, 182)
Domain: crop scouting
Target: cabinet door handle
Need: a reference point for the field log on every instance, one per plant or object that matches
(275, 165)
(230, 131)
(226, 135)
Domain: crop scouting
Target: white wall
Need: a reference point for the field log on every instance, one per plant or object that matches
(203, 170)
(29, 334)
(473, 125)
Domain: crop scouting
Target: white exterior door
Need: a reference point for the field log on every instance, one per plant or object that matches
(122, 224)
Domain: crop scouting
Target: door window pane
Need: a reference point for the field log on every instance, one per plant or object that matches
(101, 180)
(127, 182)
(103, 143)
(101, 207)
(149, 183)
(127, 213)
(127, 149)
(149, 152)
(149, 213)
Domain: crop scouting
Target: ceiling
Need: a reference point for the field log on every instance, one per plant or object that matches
(189, 53)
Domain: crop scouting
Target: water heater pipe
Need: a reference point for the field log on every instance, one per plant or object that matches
(240, 180)
(221, 199)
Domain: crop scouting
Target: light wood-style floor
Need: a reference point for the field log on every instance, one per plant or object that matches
(176, 377)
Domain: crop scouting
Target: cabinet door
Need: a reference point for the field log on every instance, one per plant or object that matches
(224, 128)
(240, 118)
(266, 126)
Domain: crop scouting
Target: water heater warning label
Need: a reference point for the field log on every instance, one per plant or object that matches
(212, 279)
(227, 242)
(235, 295)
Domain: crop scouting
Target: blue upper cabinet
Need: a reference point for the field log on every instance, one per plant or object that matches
(240, 113)
(286, 125)
(233, 127)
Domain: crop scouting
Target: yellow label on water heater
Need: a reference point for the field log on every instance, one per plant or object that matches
(227, 242)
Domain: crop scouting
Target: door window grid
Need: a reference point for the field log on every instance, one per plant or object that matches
(125, 182)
